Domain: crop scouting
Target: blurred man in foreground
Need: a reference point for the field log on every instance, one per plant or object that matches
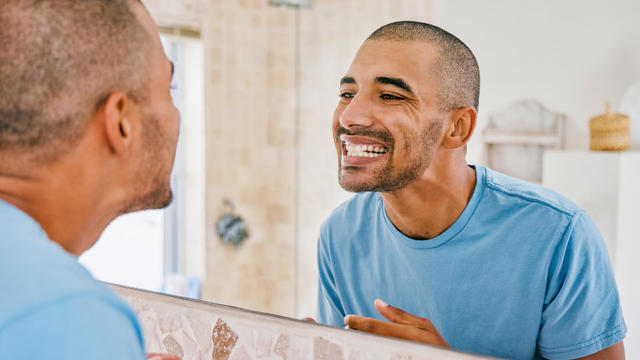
(88, 132)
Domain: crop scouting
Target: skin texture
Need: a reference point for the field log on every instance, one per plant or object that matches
(438, 182)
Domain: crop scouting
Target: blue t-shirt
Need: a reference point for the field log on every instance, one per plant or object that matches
(523, 273)
(51, 307)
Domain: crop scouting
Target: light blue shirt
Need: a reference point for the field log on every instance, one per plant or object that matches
(51, 307)
(522, 274)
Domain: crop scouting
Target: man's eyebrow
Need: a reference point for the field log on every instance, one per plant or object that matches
(347, 80)
(397, 82)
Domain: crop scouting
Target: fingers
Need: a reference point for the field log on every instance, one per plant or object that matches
(400, 331)
(383, 328)
(399, 316)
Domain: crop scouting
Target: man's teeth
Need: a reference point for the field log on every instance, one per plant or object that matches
(365, 150)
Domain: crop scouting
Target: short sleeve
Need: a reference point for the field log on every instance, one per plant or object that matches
(77, 327)
(581, 313)
(329, 312)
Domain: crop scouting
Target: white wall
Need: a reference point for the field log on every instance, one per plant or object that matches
(571, 55)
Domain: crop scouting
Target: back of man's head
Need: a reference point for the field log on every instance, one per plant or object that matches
(59, 60)
(457, 68)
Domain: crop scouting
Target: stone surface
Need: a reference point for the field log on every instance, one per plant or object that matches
(241, 354)
(224, 339)
(281, 347)
(173, 347)
(205, 331)
(263, 345)
(326, 350)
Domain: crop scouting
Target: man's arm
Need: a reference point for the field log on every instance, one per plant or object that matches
(405, 326)
(614, 352)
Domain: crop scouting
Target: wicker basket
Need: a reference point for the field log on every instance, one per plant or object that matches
(609, 132)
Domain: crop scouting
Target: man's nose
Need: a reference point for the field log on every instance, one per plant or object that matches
(358, 113)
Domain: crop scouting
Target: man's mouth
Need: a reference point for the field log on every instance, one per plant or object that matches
(363, 150)
(358, 150)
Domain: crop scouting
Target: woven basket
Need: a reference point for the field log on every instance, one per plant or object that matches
(609, 132)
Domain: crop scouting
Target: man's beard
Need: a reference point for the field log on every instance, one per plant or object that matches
(391, 177)
(160, 196)
(155, 192)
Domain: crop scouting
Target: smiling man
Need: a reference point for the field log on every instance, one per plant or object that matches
(466, 257)
(88, 132)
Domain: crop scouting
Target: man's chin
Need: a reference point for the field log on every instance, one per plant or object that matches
(166, 201)
(353, 184)
(157, 199)
(378, 182)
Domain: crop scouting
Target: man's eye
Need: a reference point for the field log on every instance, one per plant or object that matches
(347, 95)
(390, 97)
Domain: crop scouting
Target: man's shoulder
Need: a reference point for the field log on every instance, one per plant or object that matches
(518, 192)
(36, 272)
(89, 325)
(32, 289)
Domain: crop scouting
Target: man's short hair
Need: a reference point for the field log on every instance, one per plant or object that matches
(59, 61)
(456, 67)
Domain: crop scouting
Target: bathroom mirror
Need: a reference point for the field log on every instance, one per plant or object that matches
(257, 83)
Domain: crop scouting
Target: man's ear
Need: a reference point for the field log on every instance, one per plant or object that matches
(117, 125)
(462, 123)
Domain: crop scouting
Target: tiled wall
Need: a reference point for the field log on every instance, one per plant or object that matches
(204, 331)
(250, 145)
(269, 103)
(250, 94)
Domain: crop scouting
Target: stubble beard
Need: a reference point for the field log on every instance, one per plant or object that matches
(154, 187)
(390, 177)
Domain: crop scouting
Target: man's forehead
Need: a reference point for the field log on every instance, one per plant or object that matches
(409, 60)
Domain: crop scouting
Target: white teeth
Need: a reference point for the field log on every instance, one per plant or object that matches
(364, 150)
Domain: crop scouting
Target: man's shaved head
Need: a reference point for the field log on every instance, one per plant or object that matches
(456, 67)
(59, 60)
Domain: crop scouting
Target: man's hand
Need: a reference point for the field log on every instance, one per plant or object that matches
(403, 325)
(154, 356)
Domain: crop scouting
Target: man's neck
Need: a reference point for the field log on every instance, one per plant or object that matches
(431, 204)
(67, 213)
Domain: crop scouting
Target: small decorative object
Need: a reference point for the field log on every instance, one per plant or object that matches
(609, 132)
(516, 137)
(231, 228)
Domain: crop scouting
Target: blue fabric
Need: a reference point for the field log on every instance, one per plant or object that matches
(522, 274)
(51, 307)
